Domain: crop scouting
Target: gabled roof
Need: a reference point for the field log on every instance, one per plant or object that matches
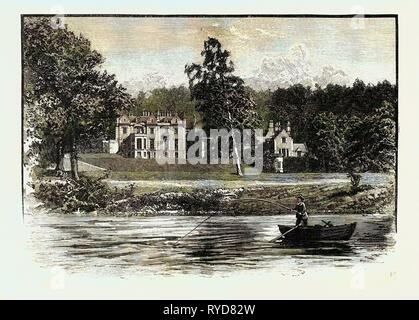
(147, 120)
(300, 147)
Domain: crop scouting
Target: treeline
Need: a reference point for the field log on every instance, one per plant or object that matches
(344, 127)
(175, 100)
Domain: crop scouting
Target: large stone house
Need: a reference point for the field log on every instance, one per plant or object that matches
(142, 136)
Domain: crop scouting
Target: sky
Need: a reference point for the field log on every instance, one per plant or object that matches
(146, 53)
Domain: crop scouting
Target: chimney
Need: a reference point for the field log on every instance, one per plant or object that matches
(271, 131)
(288, 127)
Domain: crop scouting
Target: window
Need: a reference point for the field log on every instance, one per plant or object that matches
(165, 143)
(176, 144)
(284, 140)
(176, 131)
(298, 153)
(152, 144)
(124, 130)
(151, 130)
(141, 143)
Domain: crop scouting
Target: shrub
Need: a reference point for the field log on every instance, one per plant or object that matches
(355, 181)
(86, 194)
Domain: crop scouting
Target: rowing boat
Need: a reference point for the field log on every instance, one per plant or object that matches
(318, 232)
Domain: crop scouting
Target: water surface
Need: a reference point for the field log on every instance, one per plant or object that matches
(264, 179)
(125, 246)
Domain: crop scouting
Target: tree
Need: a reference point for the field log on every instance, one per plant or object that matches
(292, 104)
(221, 96)
(371, 142)
(327, 141)
(175, 100)
(68, 99)
(263, 101)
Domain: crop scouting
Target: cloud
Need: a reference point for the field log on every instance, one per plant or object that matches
(237, 34)
(293, 68)
(149, 82)
(267, 52)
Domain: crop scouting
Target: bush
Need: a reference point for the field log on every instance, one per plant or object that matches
(201, 200)
(91, 194)
(355, 181)
(303, 164)
(86, 194)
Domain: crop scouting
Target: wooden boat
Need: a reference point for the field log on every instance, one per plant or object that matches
(318, 232)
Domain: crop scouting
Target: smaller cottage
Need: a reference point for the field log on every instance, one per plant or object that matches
(283, 144)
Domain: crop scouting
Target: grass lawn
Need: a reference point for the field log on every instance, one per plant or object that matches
(321, 198)
(148, 169)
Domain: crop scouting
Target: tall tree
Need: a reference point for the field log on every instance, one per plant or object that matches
(371, 141)
(292, 104)
(327, 141)
(221, 96)
(68, 98)
(263, 101)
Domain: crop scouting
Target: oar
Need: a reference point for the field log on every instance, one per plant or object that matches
(193, 229)
(285, 233)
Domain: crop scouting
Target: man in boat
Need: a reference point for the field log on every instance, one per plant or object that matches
(301, 212)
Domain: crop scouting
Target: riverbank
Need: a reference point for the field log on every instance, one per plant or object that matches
(330, 199)
(104, 198)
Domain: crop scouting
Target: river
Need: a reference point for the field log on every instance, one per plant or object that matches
(123, 246)
(264, 179)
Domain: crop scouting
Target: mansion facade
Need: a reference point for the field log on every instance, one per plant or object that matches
(142, 136)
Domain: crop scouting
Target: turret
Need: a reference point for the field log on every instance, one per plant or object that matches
(271, 131)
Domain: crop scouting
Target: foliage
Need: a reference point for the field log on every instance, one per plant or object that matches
(355, 181)
(92, 194)
(220, 96)
(292, 104)
(269, 156)
(174, 100)
(326, 141)
(68, 100)
(306, 163)
(263, 102)
(85, 194)
(371, 142)
(333, 119)
(190, 202)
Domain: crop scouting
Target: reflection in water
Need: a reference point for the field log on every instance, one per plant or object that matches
(147, 245)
